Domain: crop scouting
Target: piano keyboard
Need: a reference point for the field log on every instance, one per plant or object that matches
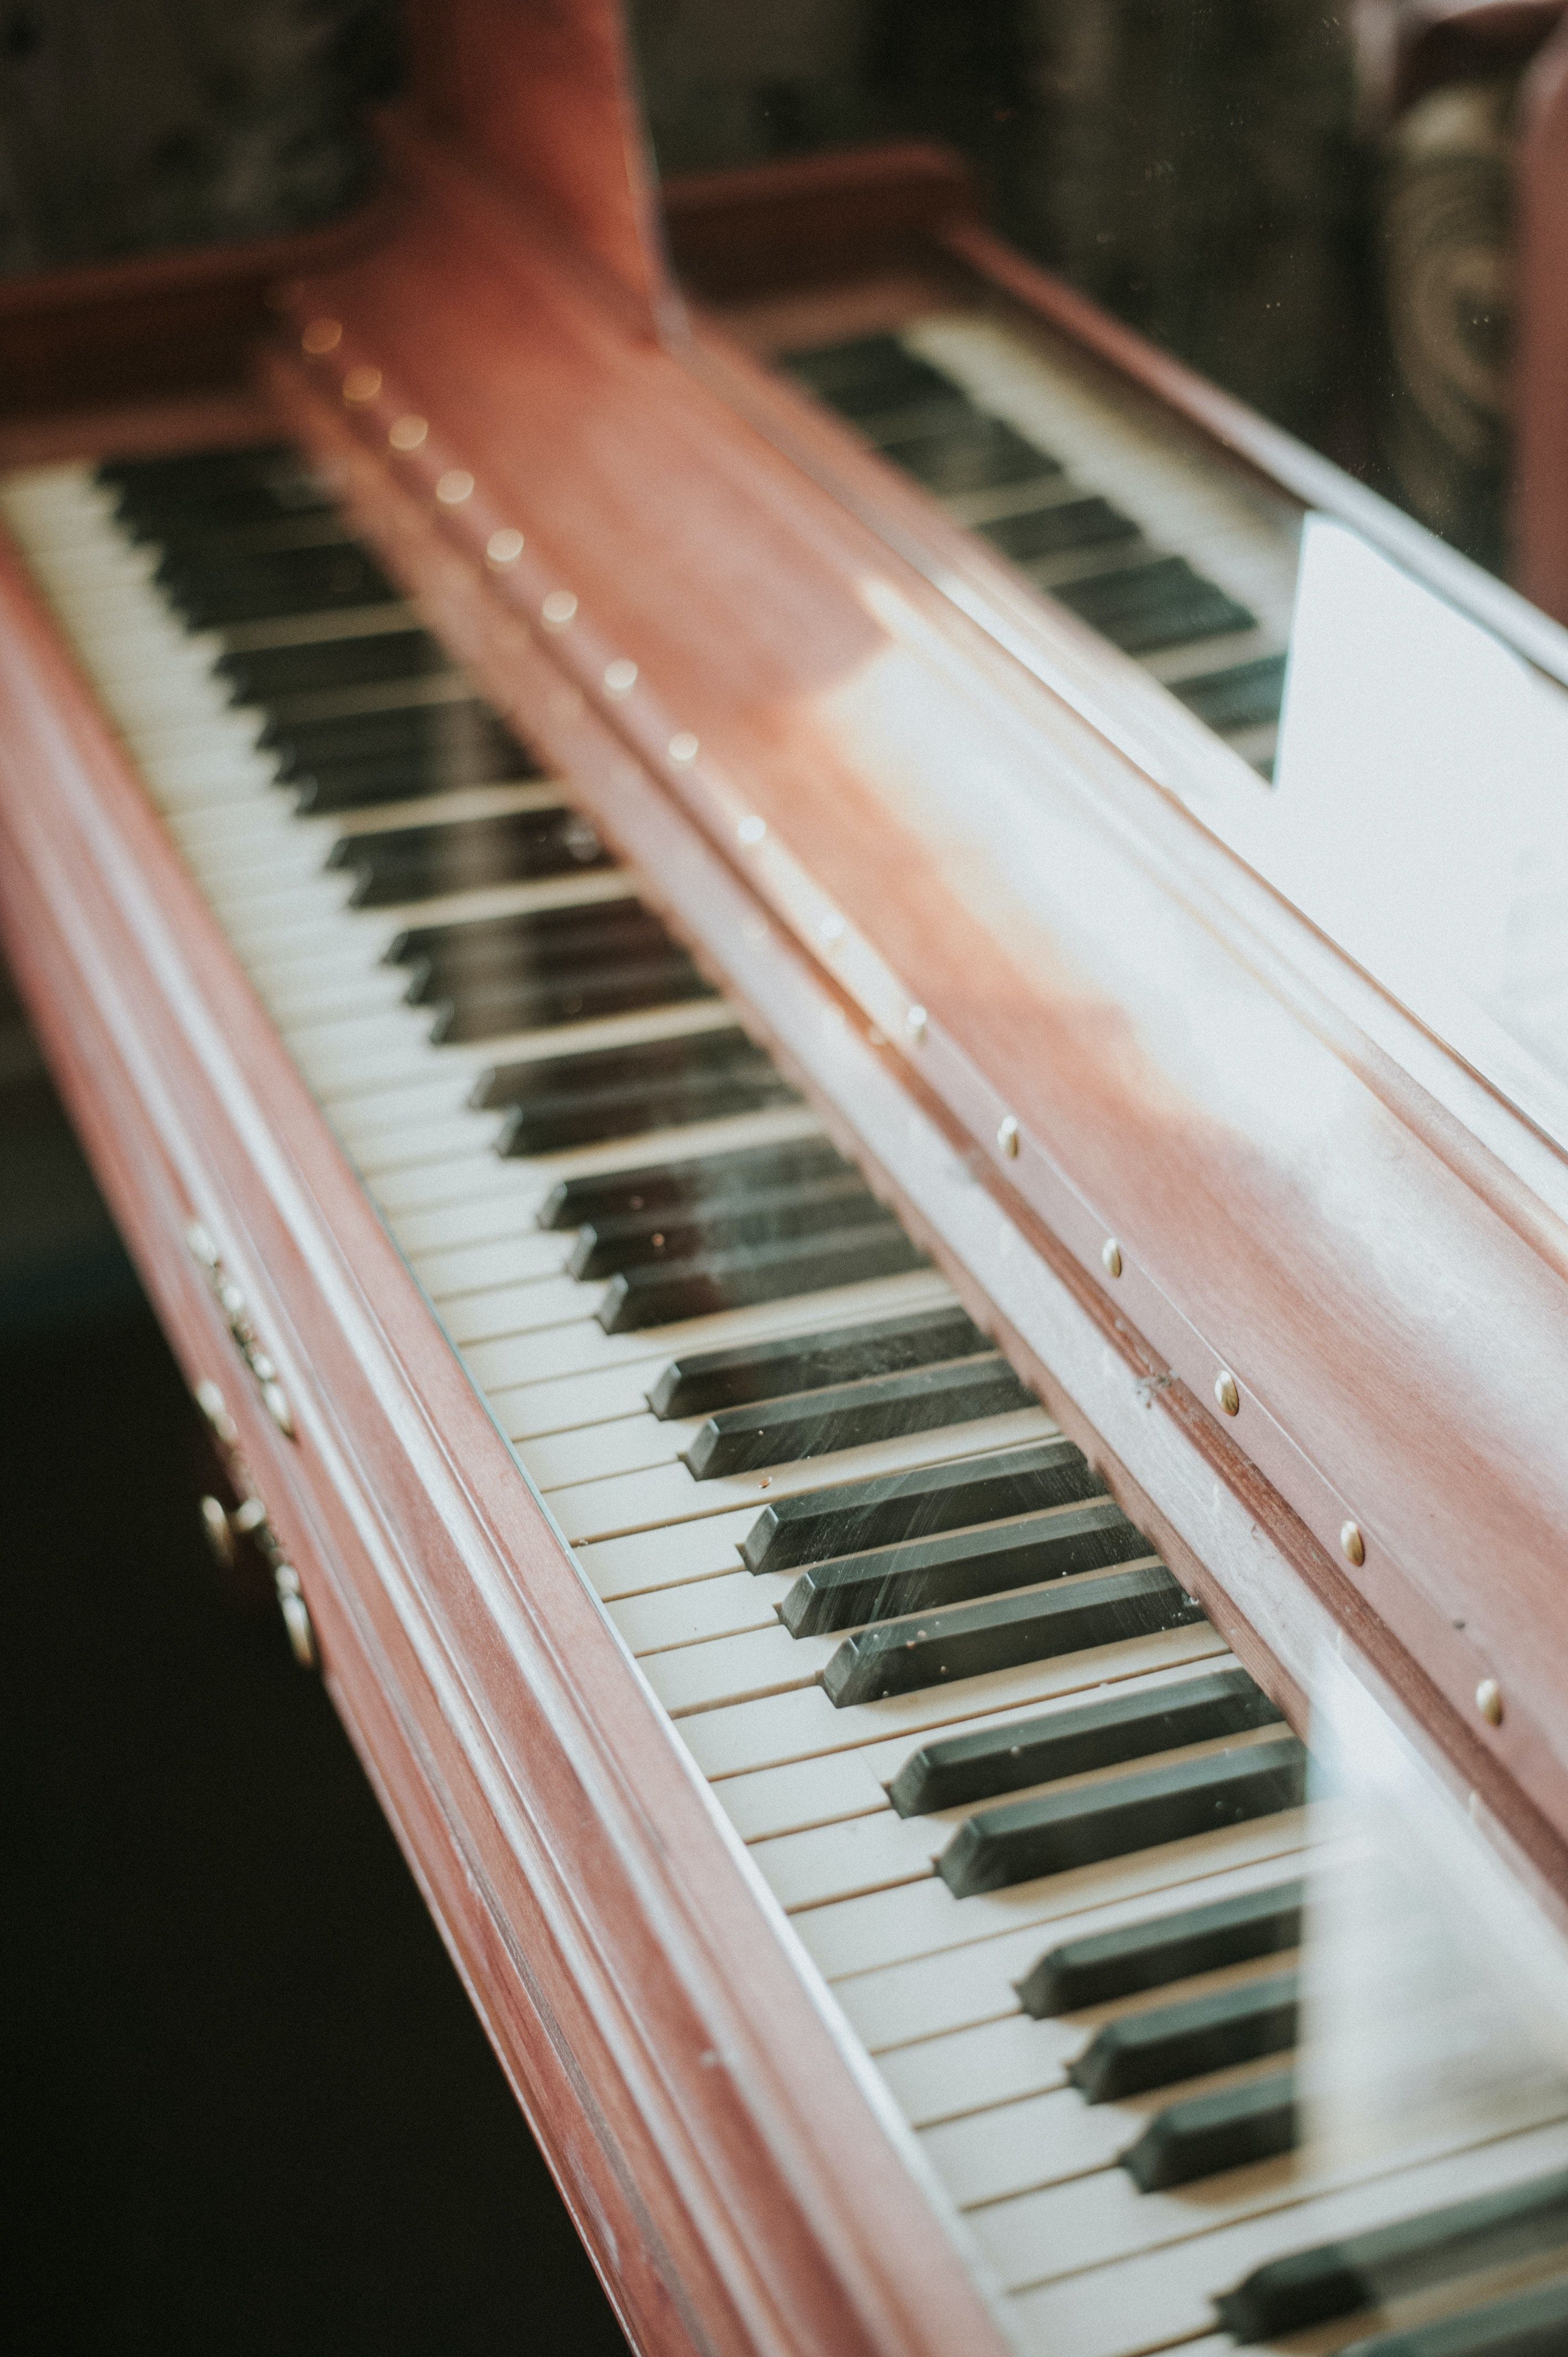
(1191, 574)
(1044, 1838)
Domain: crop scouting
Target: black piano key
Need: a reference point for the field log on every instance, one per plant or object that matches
(1050, 531)
(1413, 2255)
(922, 1574)
(708, 1381)
(872, 373)
(411, 778)
(1208, 2134)
(393, 865)
(530, 946)
(487, 1011)
(525, 950)
(966, 1641)
(1162, 603)
(981, 454)
(1176, 1947)
(239, 462)
(967, 1768)
(648, 1239)
(640, 1298)
(407, 733)
(819, 1525)
(630, 1109)
(851, 1415)
(1170, 2043)
(672, 1185)
(213, 498)
(587, 1070)
(1057, 1831)
(1243, 695)
(276, 675)
(264, 587)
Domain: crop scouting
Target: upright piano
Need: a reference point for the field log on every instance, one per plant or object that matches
(834, 1308)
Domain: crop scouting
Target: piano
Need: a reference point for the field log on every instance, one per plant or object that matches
(824, 1304)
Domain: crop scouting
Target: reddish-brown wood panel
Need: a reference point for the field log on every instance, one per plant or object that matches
(735, 2182)
(1192, 1071)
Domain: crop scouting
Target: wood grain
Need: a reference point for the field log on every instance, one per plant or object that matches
(734, 2174)
(1285, 1159)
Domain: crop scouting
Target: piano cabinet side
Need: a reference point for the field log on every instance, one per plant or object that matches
(739, 2185)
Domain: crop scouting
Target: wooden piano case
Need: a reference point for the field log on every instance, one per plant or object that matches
(817, 661)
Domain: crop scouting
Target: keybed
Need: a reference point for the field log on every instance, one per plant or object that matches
(1039, 1831)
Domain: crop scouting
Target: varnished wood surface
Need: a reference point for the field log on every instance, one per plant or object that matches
(1286, 1160)
(538, 95)
(734, 2174)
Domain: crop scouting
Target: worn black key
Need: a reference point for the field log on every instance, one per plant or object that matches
(1161, 603)
(640, 1297)
(1176, 1947)
(850, 1416)
(675, 1186)
(1057, 1831)
(408, 732)
(980, 453)
(270, 587)
(650, 1239)
(1188, 2039)
(1415, 2255)
(708, 1381)
(922, 1574)
(545, 945)
(487, 1011)
(216, 499)
(874, 372)
(819, 1525)
(1243, 695)
(965, 1768)
(364, 785)
(630, 1109)
(277, 675)
(1208, 2134)
(419, 862)
(967, 1640)
(183, 469)
(1046, 533)
(528, 944)
(590, 1070)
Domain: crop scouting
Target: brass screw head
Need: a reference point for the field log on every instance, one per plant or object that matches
(321, 335)
(504, 547)
(620, 677)
(558, 609)
(407, 432)
(360, 385)
(1227, 1396)
(1110, 1255)
(915, 1022)
(1489, 1701)
(454, 487)
(1007, 1138)
(682, 746)
(1352, 1545)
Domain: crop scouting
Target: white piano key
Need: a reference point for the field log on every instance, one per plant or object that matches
(840, 1784)
(734, 1669)
(649, 1560)
(633, 1502)
(924, 1917)
(863, 1854)
(927, 1996)
(884, 1760)
(466, 1179)
(477, 1268)
(499, 1366)
(630, 1445)
(802, 1727)
(1091, 2221)
(699, 1610)
(1164, 2295)
(965, 2075)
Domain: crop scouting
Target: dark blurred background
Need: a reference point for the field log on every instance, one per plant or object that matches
(1259, 185)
